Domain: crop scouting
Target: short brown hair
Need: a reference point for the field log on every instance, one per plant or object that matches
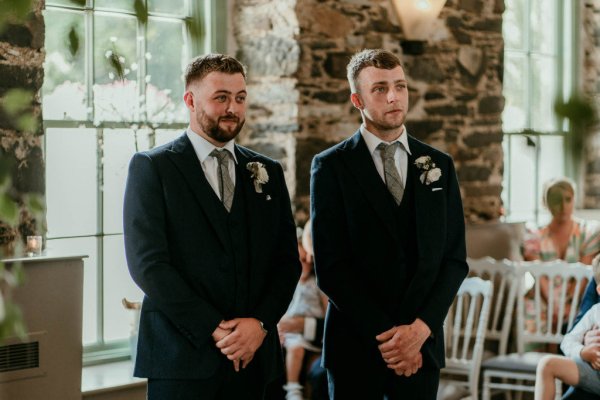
(201, 66)
(377, 58)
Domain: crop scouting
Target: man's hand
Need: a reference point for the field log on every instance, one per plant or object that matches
(403, 344)
(220, 333)
(240, 345)
(407, 367)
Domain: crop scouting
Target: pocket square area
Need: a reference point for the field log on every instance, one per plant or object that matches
(435, 189)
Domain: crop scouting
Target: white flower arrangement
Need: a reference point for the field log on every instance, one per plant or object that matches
(259, 175)
(430, 173)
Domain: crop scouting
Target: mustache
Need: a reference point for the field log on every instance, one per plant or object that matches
(232, 118)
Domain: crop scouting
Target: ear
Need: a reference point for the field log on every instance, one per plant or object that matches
(188, 99)
(355, 99)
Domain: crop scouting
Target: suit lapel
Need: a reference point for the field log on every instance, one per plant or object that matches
(185, 159)
(254, 207)
(427, 213)
(359, 161)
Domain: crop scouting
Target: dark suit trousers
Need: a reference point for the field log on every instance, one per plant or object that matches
(359, 383)
(225, 385)
(579, 394)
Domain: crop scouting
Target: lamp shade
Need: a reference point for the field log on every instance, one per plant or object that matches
(417, 16)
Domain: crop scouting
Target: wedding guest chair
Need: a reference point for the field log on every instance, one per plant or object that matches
(464, 330)
(516, 371)
(502, 273)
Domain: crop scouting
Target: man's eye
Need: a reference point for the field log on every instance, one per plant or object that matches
(240, 99)
(221, 98)
(379, 89)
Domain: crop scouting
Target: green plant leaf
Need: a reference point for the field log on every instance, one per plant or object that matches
(16, 101)
(73, 41)
(14, 11)
(115, 64)
(9, 212)
(5, 168)
(35, 203)
(27, 123)
(141, 11)
(577, 109)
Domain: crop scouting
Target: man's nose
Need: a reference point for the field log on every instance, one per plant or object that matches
(392, 96)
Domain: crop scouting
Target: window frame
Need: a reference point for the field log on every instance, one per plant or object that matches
(565, 80)
(210, 19)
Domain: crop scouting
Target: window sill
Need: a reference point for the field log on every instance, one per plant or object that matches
(109, 377)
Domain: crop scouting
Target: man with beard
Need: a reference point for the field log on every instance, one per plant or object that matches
(389, 244)
(210, 239)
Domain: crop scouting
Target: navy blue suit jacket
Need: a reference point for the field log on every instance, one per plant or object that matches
(357, 259)
(180, 254)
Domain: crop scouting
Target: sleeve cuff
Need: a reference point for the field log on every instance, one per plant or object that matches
(310, 328)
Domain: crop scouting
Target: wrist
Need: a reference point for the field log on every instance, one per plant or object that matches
(423, 328)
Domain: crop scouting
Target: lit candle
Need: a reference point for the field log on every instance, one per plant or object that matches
(34, 246)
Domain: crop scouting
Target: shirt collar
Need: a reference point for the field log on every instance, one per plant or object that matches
(373, 141)
(203, 147)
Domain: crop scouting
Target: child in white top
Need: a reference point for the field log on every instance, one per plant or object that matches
(581, 366)
(308, 301)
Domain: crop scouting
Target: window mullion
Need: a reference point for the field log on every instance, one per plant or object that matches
(100, 234)
(142, 30)
(89, 62)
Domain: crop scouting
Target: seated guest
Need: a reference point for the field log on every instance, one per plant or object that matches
(581, 366)
(308, 302)
(565, 237)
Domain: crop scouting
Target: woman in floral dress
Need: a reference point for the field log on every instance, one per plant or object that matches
(565, 237)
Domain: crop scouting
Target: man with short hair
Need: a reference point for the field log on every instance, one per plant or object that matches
(210, 239)
(389, 244)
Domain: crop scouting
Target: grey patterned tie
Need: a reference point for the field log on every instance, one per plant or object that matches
(226, 186)
(393, 181)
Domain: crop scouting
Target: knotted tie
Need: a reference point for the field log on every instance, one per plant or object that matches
(393, 181)
(225, 183)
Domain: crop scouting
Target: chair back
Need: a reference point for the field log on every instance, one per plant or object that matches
(502, 274)
(465, 329)
(542, 320)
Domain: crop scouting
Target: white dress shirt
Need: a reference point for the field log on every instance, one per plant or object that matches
(400, 156)
(203, 148)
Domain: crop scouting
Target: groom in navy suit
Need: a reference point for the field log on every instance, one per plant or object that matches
(389, 244)
(211, 241)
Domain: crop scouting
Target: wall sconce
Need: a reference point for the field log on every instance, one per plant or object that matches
(416, 17)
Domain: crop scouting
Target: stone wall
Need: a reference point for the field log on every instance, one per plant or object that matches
(21, 66)
(265, 32)
(455, 85)
(590, 38)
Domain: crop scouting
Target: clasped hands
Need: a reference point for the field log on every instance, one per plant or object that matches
(401, 345)
(591, 349)
(238, 339)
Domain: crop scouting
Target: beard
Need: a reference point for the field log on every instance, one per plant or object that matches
(212, 127)
(382, 125)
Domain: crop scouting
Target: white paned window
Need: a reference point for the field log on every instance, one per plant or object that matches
(537, 71)
(94, 122)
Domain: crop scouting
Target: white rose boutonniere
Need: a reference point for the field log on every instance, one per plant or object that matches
(430, 173)
(259, 175)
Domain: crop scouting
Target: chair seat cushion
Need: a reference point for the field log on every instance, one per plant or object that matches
(526, 362)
